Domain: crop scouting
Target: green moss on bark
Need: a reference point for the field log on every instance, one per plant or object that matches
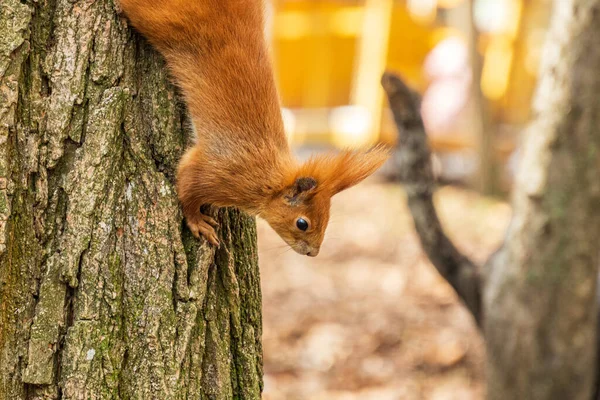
(104, 293)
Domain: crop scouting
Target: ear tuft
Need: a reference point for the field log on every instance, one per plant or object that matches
(339, 171)
(305, 184)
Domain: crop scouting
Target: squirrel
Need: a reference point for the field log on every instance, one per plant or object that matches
(217, 53)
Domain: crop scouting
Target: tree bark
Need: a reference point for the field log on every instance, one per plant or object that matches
(538, 292)
(540, 296)
(103, 292)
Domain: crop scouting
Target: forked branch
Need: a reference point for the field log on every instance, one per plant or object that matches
(414, 159)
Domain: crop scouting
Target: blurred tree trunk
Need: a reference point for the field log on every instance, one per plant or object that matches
(483, 131)
(486, 178)
(536, 298)
(103, 293)
(540, 296)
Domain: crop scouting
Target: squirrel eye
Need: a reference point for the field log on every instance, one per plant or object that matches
(302, 224)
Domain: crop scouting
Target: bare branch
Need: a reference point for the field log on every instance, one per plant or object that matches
(414, 162)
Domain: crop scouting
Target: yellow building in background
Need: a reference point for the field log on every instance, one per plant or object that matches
(329, 56)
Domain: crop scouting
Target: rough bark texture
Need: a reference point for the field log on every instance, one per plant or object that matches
(103, 292)
(539, 292)
(541, 287)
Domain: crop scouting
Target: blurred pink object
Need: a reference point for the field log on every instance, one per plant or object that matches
(447, 66)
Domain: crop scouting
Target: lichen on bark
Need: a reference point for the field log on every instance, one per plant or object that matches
(104, 294)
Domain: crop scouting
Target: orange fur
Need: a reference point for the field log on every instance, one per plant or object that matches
(217, 54)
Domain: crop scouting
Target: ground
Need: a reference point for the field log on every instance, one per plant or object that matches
(369, 318)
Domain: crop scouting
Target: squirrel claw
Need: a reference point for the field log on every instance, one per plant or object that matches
(202, 227)
(209, 220)
(212, 238)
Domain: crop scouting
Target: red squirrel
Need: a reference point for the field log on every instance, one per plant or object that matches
(218, 56)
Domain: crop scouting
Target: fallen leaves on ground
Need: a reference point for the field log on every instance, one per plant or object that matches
(370, 318)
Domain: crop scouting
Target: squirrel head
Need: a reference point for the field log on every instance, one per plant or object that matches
(299, 212)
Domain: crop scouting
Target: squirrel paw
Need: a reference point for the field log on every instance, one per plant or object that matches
(203, 225)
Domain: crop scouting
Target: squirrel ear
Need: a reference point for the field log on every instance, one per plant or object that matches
(351, 167)
(301, 187)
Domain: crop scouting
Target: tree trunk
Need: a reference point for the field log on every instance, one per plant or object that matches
(536, 297)
(103, 292)
(540, 298)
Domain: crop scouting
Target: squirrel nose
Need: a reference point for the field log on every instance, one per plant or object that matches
(313, 253)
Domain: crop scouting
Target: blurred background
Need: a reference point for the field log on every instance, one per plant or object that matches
(370, 318)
